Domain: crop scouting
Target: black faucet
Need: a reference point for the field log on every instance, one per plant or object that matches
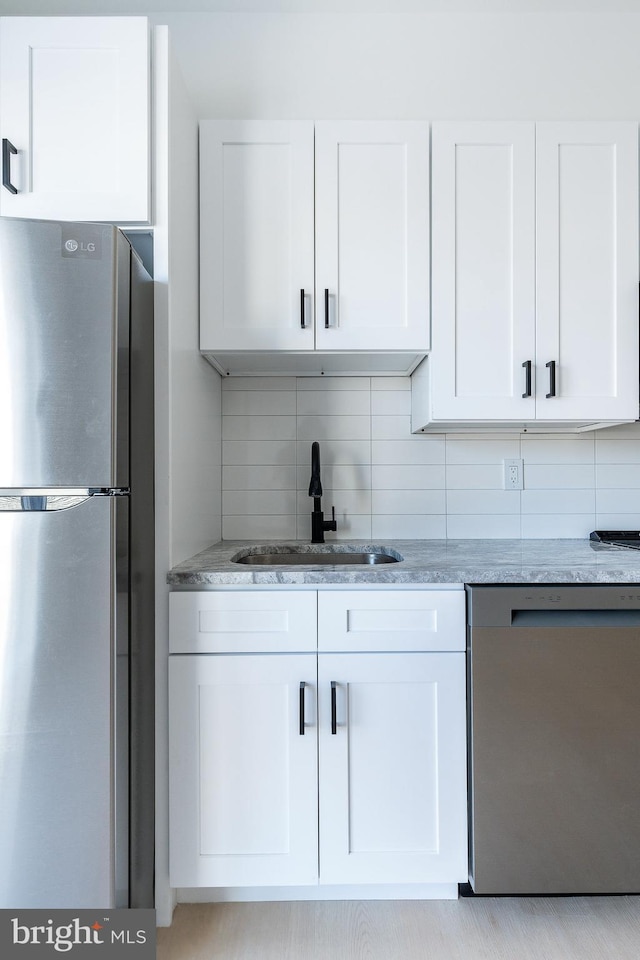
(318, 523)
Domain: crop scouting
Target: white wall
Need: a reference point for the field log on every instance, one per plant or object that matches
(187, 393)
(415, 66)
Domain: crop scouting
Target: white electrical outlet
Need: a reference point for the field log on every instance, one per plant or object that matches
(513, 475)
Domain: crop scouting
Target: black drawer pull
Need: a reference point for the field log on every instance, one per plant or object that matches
(527, 384)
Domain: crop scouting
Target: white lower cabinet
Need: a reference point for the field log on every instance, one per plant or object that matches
(291, 768)
(244, 783)
(392, 768)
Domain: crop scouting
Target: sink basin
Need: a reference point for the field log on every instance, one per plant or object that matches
(310, 556)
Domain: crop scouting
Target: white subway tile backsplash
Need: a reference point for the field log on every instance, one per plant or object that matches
(407, 477)
(258, 528)
(617, 521)
(618, 501)
(396, 402)
(617, 451)
(328, 403)
(391, 383)
(334, 428)
(390, 428)
(259, 384)
(557, 526)
(336, 452)
(258, 428)
(479, 476)
(404, 527)
(539, 476)
(333, 383)
(408, 501)
(481, 451)
(263, 477)
(345, 501)
(346, 476)
(558, 501)
(256, 403)
(483, 501)
(259, 502)
(579, 449)
(255, 452)
(356, 527)
(630, 431)
(478, 527)
(386, 483)
(617, 475)
(412, 451)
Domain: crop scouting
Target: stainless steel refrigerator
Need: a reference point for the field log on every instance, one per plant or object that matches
(76, 568)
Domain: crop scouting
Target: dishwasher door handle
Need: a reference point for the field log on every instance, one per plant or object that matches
(575, 618)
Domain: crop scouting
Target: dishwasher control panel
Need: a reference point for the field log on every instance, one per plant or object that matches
(495, 605)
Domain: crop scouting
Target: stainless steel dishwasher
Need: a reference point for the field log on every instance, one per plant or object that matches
(554, 725)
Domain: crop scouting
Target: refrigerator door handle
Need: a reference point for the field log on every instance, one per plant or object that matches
(16, 500)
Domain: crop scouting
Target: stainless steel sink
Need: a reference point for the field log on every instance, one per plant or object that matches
(335, 556)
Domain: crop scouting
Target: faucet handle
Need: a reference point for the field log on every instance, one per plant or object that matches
(331, 524)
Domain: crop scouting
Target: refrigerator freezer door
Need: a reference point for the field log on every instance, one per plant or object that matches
(62, 743)
(64, 304)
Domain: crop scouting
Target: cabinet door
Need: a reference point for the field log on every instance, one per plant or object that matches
(256, 235)
(74, 102)
(393, 775)
(243, 780)
(483, 320)
(587, 270)
(372, 236)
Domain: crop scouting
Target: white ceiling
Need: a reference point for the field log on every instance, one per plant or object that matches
(131, 7)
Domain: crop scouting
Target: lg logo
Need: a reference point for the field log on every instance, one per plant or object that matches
(73, 245)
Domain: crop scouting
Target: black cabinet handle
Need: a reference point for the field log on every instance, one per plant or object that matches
(326, 309)
(527, 381)
(334, 709)
(302, 321)
(7, 149)
(302, 686)
(552, 378)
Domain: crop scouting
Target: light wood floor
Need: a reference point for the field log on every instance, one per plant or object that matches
(567, 928)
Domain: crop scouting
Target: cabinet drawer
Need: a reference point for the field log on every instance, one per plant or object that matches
(403, 621)
(242, 622)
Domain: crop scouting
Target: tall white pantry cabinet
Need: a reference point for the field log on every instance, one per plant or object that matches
(74, 118)
(317, 739)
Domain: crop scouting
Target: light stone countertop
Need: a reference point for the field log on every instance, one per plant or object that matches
(425, 561)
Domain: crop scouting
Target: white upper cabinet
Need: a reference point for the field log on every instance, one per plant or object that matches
(483, 211)
(535, 276)
(314, 248)
(256, 235)
(587, 270)
(74, 106)
(372, 236)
